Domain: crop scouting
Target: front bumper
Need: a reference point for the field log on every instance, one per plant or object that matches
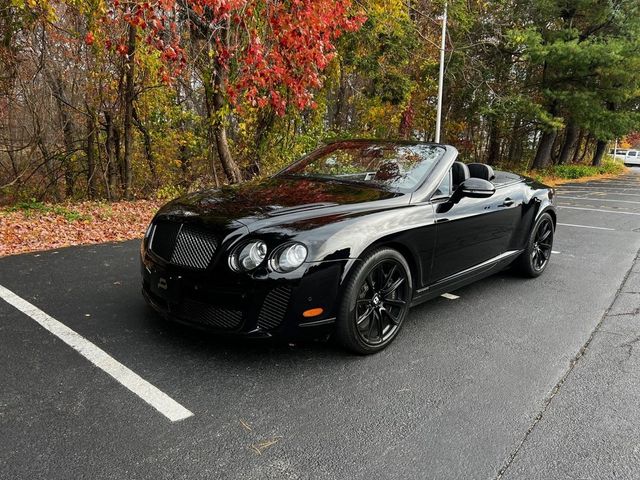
(220, 301)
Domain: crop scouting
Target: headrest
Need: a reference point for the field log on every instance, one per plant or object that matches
(460, 172)
(480, 170)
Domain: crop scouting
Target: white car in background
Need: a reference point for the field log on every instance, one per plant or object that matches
(629, 157)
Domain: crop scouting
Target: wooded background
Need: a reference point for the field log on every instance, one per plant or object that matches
(104, 99)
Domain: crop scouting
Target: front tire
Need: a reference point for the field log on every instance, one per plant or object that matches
(535, 258)
(376, 300)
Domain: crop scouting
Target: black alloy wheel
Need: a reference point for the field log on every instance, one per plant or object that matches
(537, 254)
(376, 302)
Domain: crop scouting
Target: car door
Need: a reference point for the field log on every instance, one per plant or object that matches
(474, 230)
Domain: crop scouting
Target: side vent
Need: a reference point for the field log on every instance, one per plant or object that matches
(274, 307)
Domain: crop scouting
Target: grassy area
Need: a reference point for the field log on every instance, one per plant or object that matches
(33, 207)
(558, 174)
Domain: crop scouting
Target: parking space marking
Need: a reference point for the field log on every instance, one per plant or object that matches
(599, 187)
(598, 210)
(556, 252)
(601, 199)
(450, 296)
(586, 226)
(595, 192)
(129, 379)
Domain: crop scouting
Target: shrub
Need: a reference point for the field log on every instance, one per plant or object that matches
(578, 171)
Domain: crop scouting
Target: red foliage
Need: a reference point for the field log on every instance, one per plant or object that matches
(274, 51)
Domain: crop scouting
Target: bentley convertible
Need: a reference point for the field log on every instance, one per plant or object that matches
(343, 242)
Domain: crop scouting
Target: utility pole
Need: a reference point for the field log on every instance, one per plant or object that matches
(441, 77)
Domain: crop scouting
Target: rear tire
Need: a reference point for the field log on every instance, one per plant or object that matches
(537, 253)
(375, 303)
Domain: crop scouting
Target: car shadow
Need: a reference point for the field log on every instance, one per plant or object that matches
(186, 340)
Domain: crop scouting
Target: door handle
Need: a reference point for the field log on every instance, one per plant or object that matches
(507, 202)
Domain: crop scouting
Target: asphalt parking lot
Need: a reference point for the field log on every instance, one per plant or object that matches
(514, 379)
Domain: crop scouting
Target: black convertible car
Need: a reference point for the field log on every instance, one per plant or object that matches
(342, 242)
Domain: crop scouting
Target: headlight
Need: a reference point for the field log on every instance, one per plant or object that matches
(289, 258)
(249, 256)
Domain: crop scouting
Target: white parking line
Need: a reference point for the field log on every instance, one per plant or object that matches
(556, 252)
(599, 187)
(600, 199)
(595, 192)
(598, 210)
(450, 296)
(143, 389)
(585, 226)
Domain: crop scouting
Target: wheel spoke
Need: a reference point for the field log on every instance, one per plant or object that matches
(394, 286)
(380, 326)
(389, 276)
(394, 319)
(371, 323)
(364, 316)
(394, 302)
(544, 235)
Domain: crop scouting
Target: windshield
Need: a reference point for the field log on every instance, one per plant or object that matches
(400, 167)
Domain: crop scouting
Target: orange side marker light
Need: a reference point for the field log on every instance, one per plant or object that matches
(314, 312)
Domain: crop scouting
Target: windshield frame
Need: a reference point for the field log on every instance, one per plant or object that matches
(332, 146)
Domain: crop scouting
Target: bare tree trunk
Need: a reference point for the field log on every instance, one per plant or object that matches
(264, 124)
(67, 130)
(586, 148)
(545, 147)
(46, 157)
(569, 144)
(576, 152)
(230, 167)
(148, 152)
(599, 153)
(493, 151)
(342, 102)
(129, 97)
(112, 149)
(91, 153)
(514, 142)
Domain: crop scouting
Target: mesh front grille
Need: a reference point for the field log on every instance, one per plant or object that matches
(274, 307)
(164, 238)
(194, 248)
(220, 318)
(183, 245)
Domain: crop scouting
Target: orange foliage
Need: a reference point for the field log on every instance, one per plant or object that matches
(84, 223)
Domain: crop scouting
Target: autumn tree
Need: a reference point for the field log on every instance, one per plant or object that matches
(266, 54)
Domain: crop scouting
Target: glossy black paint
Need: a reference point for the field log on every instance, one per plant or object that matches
(447, 241)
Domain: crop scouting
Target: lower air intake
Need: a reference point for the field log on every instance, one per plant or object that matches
(216, 317)
(274, 307)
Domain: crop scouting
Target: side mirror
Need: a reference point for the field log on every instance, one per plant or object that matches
(477, 188)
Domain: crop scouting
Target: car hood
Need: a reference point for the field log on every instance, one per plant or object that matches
(277, 200)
